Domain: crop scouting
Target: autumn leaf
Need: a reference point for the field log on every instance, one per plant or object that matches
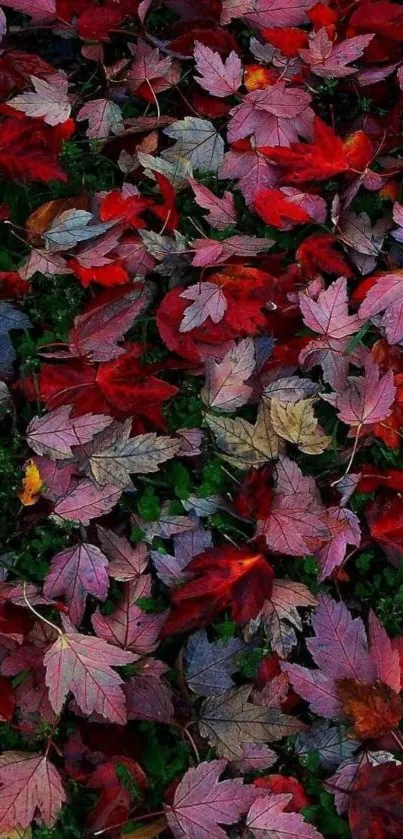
(210, 665)
(218, 77)
(104, 117)
(367, 399)
(50, 101)
(29, 784)
(373, 709)
(225, 387)
(202, 802)
(375, 804)
(55, 433)
(221, 578)
(297, 423)
(221, 211)
(230, 720)
(244, 444)
(82, 665)
(32, 484)
(75, 573)
(141, 454)
(268, 816)
(209, 301)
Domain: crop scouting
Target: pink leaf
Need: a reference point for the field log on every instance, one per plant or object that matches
(149, 698)
(125, 562)
(328, 315)
(87, 501)
(386, 295)
(267, 818)
(38, 10)
(225, 387)
(315, 688)
(252, 170)
(209, 301)
(29, 784)
(129, 627)
(75, 573)
(218, 77)
(104, 118)
(267, 13)
(96, 332)
(276, 116)
(385, 658)
(330, 60)
(147, 65)
(296, 522)
(367, 399)
(211, 252)
(340, 646)
(55, 433)
(202, 802)
(222, 212)
(82, 665)
(347, 532)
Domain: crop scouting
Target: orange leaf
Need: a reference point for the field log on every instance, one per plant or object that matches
(32, 484)
(373, 709)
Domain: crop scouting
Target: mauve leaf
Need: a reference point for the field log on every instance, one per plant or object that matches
(96, 332)
(71, 227)
(82, 665)
(340, 647)
(104, 118)
(296, 524)
(329, 60)
(208, 302)
(221, 211)
(75, 573)
(186, 545)
(129, 627)
(198, 142)
(50, 101)
(267, 820)
(275, 116)
(386, 659)
(87, 501)
(125, 562)
(328, 315)
(218, 77)
(367, 399)
(210, 665)
(140, 455)
(56, 432)
(29, 783)
(386, 295)
(230, 720)
(202, 802)
(348, 532)
(39, 10)
(149, 699)
(225, 387)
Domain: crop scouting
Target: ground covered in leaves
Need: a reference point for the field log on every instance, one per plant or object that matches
(201, 418)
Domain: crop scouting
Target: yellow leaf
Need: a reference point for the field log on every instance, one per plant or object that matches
(245, 445)
(32, 484)
(296, 422)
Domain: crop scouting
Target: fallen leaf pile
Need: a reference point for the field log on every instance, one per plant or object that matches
(201, 363)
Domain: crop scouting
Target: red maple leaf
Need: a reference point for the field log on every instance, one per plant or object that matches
(224, 578)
